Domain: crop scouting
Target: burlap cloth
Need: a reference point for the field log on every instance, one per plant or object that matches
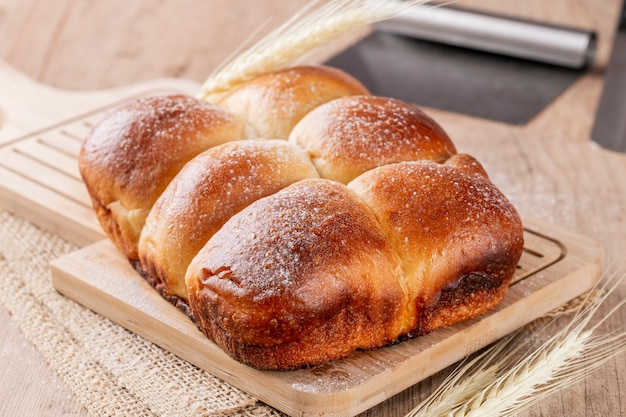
(109, 369)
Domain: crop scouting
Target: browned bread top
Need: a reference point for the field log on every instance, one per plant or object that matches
(446, 221)
(131, 156)
(350, 135)
(274, 103)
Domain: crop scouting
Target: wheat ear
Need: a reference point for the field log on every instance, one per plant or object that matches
(315, 26)
(494, 384)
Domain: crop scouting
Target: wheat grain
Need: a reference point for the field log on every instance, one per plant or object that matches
(315, 26)
(523, 380)
(455, 392)
(498, 384)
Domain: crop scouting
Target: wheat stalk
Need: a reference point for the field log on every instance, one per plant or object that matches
(316, 25)
(495, 384)
(458, 388)
(523, 380)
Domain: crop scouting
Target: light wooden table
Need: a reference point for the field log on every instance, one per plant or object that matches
(548, 167)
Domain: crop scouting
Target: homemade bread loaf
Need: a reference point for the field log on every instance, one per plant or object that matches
(304, 219)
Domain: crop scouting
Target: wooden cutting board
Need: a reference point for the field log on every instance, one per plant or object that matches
(41, 130)
(556, 266)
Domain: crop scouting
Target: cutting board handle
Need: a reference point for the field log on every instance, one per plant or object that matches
(27, 106)
(17, 94)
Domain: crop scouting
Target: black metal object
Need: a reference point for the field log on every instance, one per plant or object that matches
(609, 129)
(481, 84)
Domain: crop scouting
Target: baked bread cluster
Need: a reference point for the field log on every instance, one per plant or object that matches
(300, 217)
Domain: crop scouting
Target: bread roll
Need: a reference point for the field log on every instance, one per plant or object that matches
(209, 190)
(363, 228)
(300, 277)
(350, 135)
(131, 156)
(458, 237)
(273, 103)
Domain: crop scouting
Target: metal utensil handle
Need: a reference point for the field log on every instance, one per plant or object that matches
(559, 45)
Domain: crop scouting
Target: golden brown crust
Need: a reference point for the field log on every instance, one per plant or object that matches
(209, 190)
(350, 135)
(130, 157)
(451, 227)
(273, 103)
(301, 277)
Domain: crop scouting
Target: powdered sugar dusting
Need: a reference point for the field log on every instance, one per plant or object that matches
(437, 197)
(279, 239)
(375, 127)
(350, 135)
(150, 139)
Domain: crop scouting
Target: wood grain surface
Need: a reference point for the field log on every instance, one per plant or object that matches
(549, 168)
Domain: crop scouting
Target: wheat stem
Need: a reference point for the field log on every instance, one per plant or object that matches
(313, 27)
(463, 383)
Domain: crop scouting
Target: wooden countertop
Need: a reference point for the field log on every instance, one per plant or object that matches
(550, 169)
